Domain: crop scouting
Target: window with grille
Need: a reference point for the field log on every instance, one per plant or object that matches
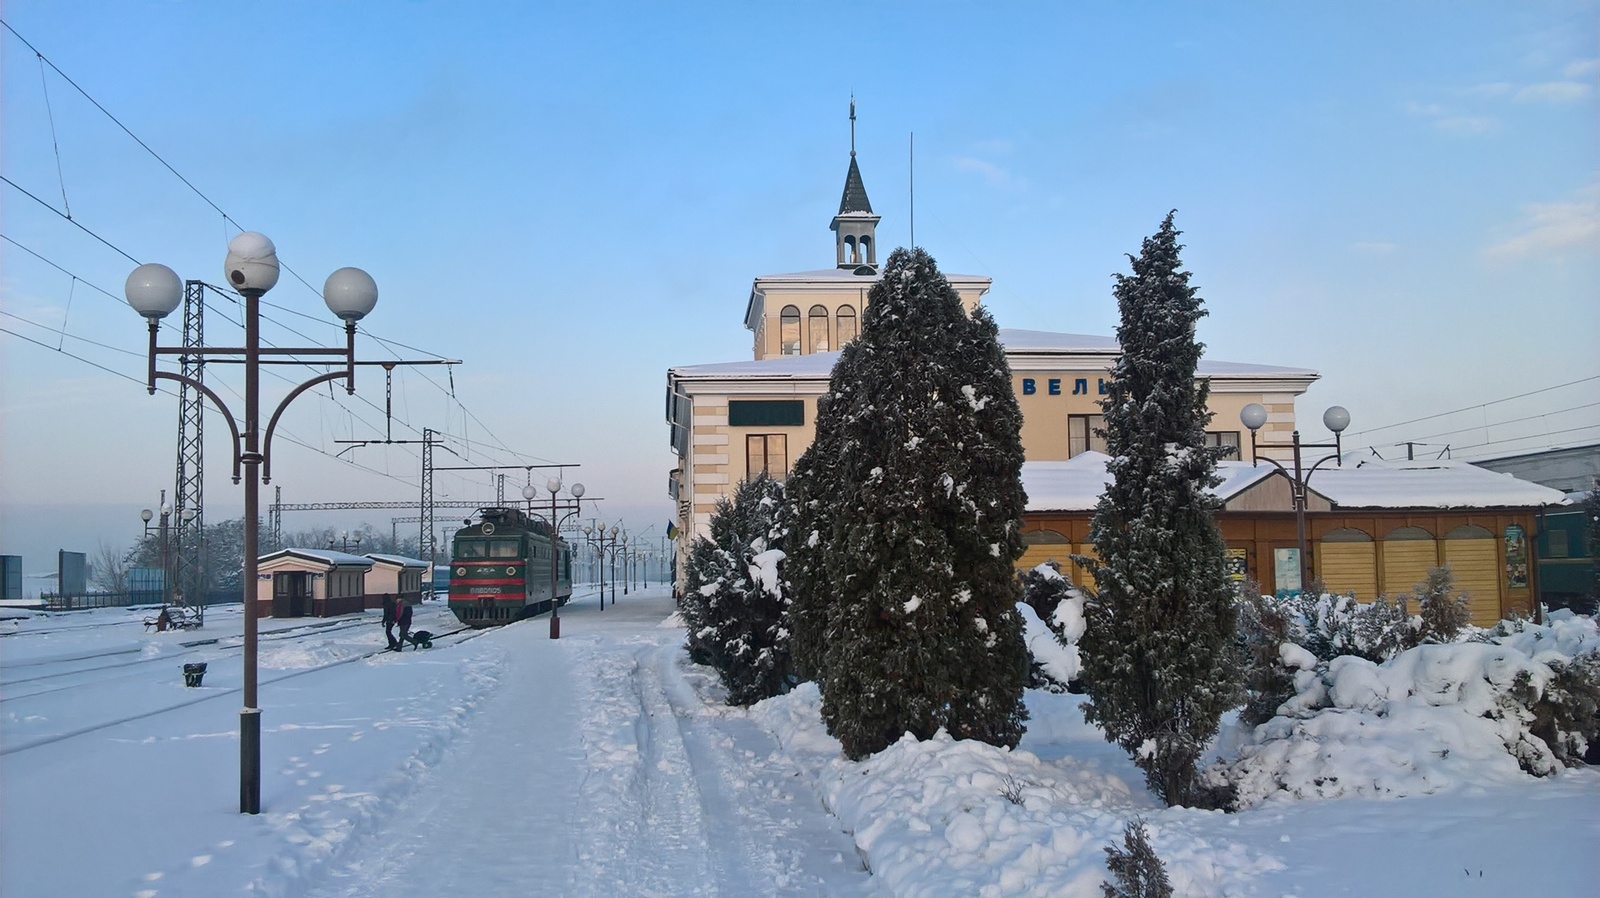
(789, 330)
(817, 325)
(1226, 439)
(847, 325)
(767, 453)
(1084, 432)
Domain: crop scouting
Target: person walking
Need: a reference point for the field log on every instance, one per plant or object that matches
(402, 618)
(389, 621)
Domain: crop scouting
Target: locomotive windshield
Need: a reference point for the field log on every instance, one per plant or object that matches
(488, 548)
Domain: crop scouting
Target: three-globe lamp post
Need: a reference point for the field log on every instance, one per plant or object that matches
(251, 268)
(1336, 419)
(554, 522)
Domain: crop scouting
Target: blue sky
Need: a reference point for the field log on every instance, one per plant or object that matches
(572, 197)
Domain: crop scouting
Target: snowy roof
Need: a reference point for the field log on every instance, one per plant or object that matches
(1374, 483)
(849, 276)
(820, 364)
(327, 556)
(815, 365)
(400, 560)
(1076, 484)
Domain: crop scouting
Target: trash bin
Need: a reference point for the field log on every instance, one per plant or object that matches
(193, 673)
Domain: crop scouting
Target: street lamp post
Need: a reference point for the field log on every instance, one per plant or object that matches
(251, 268)
(1336, 419)
(599, 543)
(554, 521)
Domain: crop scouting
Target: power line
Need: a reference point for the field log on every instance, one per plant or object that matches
(1480, 405)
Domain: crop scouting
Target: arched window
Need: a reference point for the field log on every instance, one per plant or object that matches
(866, 249)
(853, 252)
(789, 331)
(1347, 562)
(1408, 554)
(1472, 555)
(817, 325)
(847, 324)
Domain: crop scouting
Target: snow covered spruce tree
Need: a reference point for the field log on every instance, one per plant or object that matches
(1159, 664)
(735, 603)
(809, 489)
(918, 461)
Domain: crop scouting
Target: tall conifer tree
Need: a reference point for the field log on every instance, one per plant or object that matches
(1158, 664)
(916, 485)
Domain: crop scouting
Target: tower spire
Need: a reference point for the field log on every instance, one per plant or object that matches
(852, 126)
(854, 226)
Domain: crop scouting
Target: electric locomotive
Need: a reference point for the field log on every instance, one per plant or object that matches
(500, 569)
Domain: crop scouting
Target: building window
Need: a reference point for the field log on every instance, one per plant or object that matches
(789, 330)
(818, 327)
(1085, 432)
(766, 413)
(1558, 543)
(1225, 439)
(847, 324)
(767, 453)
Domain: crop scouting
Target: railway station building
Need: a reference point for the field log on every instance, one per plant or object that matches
(733, 420)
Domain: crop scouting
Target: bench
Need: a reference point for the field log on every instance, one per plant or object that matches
(172, 617)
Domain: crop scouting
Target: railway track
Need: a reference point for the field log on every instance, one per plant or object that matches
(106, 702)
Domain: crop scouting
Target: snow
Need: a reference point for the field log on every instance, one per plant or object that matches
(603, 763)
(1076, 484)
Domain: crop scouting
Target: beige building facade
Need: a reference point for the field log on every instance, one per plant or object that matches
(730, 421)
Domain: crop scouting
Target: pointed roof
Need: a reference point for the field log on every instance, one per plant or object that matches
(855, 192)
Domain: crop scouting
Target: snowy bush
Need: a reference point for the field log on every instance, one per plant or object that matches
(734, 604)
(1442, 613)
(1052, 616)
(1265, 626)
(1137, 870)
(1431, 717)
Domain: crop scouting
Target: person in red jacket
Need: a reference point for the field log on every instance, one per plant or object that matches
(402, 617)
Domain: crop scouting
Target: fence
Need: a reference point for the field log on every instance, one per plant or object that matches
(125, 599)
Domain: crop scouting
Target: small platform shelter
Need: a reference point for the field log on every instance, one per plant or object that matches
(311, 583)
(1373, 527)
(395, 575)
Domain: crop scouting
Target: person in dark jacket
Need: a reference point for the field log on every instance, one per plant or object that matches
(389, 621)
(402, 617)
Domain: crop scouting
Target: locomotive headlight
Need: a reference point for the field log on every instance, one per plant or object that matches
(511, 572)
(461, 572)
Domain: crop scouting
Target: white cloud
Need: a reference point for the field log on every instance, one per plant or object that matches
(1446, 120)
(1553, 92)
(990, 172)
(1373, 247)
(1582, 67)
(1551, 227)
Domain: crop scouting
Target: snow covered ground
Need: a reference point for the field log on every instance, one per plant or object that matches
(502, 762)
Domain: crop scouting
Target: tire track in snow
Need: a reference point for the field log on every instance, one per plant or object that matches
(640, 810)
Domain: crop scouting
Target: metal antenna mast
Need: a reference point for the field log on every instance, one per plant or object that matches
(189, 485)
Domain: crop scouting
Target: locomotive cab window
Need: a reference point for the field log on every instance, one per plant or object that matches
(472, 548)
(504, 548)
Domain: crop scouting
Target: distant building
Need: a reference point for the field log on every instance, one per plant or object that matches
(1569, 470)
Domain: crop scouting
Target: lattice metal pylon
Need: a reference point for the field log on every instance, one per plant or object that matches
(425, 543)
(189, 486)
